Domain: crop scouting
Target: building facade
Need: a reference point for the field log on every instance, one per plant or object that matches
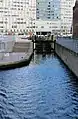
(66, 16)
(75, 20)
(58, 12)
(48, 16)
(16, 16)
(48, 10)
(24, 16)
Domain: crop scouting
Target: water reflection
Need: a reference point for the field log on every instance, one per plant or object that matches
(45, 89)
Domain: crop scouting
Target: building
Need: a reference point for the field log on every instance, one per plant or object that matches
(55, 12)
(31, 16)
(48, 9)
(66, 16)
(17, 16)
(45, 27)
(75, 20)
(48, 16)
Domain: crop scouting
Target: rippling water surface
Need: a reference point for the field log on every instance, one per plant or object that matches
(45, 89)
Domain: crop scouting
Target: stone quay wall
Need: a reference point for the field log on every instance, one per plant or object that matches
(69, 57)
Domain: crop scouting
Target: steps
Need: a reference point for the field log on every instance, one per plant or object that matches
(21, 46)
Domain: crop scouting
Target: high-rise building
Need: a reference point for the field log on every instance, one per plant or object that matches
(48, 9)
(75, 20)
(66, 16)
(23, 16)
(48, 16)
(32, 15)
(59, 11)
(17, 15)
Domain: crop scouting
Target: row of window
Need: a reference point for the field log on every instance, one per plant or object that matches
(1, 22)
(48, 17)
(24, 2)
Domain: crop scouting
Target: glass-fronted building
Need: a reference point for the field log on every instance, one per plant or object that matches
(22, 16)
(56, 10)
(48, 9)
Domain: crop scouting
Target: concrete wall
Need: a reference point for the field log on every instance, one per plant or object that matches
(6, 46)
(6, 43)
(69, 57)
(1, 56)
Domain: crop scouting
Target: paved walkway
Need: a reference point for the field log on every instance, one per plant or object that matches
(71, 44)
(9, 58)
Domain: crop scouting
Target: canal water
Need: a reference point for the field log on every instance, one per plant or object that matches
(45, 89)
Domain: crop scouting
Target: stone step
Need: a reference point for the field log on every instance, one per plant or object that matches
(21, 44)
(20, 49)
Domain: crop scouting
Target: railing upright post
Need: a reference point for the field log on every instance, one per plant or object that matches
(54, 45)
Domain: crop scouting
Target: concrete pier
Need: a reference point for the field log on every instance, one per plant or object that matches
(17, 53)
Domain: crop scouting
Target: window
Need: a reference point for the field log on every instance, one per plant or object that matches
(42, 26)
(48, 17)
(37, 17)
